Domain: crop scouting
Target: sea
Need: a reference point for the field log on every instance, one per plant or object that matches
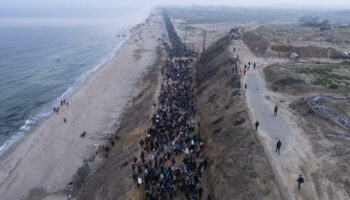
(45, 57)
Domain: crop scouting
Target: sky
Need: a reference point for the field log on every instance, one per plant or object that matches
(115, 4)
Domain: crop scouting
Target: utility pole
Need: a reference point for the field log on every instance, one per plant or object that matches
(204, 37)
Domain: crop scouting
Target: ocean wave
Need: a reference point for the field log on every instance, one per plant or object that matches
(18, 135)
(47, 110)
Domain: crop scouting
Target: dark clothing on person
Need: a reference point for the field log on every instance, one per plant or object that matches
(300, 181)
(275, 110)
(278, 146)
(107, 150)
(256, 125)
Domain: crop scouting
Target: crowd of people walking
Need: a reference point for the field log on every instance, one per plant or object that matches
(171, 162)
(177, 48)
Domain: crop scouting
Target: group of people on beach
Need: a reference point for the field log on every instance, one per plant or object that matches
(57, 109)
(171, 162)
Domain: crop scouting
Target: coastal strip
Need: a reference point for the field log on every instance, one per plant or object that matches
(42, 164)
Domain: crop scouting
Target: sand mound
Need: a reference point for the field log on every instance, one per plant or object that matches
(238, 166)
(257, 44)
(286, 82)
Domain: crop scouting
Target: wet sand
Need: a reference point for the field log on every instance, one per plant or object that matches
(43, 162)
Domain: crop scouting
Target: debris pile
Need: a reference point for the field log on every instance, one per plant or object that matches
(317, 104)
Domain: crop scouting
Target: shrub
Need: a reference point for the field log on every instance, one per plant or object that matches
(333, 86)
(124, 164)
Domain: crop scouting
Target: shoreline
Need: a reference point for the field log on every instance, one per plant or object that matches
(109, 115)
(46, 111)
(71, 91)
(41, 116)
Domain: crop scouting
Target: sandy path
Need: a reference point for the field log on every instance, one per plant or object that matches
(296, 154)
(46, 159)
(272, 128)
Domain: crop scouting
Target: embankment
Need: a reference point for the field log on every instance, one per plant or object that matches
(113, 178)
(238, 166)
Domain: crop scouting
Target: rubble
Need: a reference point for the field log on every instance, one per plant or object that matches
(317, 104)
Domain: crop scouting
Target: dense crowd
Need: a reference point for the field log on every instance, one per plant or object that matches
(171, 162)
(177, 48)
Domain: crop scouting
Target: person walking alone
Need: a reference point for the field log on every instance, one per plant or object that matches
(106, 148)
(256, 125)
(300, 181)
(278, 146)
(276, 109)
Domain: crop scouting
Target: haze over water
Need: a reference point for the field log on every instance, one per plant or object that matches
(44, 57)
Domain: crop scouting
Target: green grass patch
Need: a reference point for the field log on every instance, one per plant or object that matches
(218, 120)
(322, 71)
(322, 81)
(333, 86)
(238, 138)
(323, 75)
(124, 164)
(346, 62)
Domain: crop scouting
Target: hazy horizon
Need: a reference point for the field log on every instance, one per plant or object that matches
(117, 4)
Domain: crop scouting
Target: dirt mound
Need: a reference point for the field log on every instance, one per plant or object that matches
(238, 167)
(286, 82)
(306, 52)
(211, 56)
(280, 79)
(257, 44)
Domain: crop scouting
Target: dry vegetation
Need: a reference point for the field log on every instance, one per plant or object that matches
(308, 77)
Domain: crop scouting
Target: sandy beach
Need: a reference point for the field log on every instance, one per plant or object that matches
(42, 164)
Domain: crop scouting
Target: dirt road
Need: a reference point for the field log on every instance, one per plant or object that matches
(272, 128)
(296, 156)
